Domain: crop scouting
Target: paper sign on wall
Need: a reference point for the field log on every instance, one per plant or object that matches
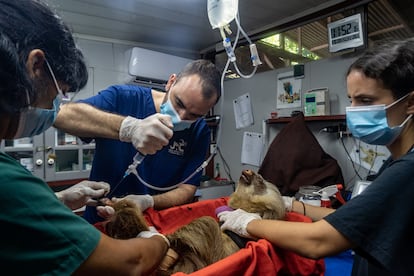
(252, 148)
(243, 111)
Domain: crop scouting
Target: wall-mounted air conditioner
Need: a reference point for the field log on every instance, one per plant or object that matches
(148, 64)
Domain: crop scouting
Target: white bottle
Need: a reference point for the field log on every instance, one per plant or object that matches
(325, 200)
(221, 12)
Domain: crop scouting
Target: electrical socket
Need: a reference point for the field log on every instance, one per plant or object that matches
(212, 148)
(336, 128)
(343, 128)
(332, 129)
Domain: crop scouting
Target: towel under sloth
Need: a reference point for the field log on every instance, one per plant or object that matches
(201, 242)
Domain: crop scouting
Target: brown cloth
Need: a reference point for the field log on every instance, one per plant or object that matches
(295, 158)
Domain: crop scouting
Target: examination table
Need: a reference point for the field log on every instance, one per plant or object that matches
(257, 258)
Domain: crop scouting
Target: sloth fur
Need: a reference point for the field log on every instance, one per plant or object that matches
(201, 242)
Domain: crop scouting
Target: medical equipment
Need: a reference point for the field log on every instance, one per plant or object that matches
(222, 12)
(138, 158)
(359, 187)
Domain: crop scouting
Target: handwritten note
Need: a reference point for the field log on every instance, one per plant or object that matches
(252, 148)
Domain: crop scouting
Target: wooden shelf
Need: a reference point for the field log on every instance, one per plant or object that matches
(340, 117)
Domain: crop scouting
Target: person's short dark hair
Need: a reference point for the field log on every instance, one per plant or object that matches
(209, 74)
(392, 63)
(27, 25)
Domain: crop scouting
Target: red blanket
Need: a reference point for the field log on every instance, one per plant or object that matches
(258, 258)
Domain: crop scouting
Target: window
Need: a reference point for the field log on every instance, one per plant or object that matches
(309, 42)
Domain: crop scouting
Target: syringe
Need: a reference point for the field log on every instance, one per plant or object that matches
(138, 158)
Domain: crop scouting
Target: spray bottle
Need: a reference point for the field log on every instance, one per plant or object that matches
(325, 200)
(332, 190)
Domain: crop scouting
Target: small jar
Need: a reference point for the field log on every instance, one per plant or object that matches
(306, 195)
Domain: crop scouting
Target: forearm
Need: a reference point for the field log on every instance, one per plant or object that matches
(312, 240)
(314, 212)
(181, 195)
(125, 257)
(84, 120)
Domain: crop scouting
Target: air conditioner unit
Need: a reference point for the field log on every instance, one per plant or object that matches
(148, 64)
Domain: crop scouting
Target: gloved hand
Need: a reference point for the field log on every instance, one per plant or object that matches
(147, 135)
(152, 232)
(105, 211)
(236, 221)
(288, 201)
(142, 201)
(83, 193)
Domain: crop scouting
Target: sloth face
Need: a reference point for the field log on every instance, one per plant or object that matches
(256, 195)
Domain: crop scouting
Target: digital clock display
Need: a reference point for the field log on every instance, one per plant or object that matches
(345, 33)
(345, 29)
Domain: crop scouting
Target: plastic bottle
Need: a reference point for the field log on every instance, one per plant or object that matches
(325, 201)
(308, 195)
(217, 172)
(221, 12)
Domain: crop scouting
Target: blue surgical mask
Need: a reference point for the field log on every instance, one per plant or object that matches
(369, 123)
(35, 120)
(168, 109)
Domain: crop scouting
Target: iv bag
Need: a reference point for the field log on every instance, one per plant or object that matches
(221, 12)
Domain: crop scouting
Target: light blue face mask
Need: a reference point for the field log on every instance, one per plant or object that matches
(35, 120)
(369, 123)
(168, 109)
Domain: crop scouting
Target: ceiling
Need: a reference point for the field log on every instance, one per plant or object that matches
(181, 27)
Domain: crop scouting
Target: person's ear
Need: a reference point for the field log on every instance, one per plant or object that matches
(170, 82)
(35, 63)
(410, 103)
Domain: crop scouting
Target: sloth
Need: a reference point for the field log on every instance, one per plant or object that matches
(201, 242)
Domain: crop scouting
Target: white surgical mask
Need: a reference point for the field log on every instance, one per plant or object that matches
(35, 120)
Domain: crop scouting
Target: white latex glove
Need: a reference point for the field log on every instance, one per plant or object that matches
(152, 232)
(236, 221)
(147, 135)
(142, 201)
(105, 211)
(288, 202)
(83, 193)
